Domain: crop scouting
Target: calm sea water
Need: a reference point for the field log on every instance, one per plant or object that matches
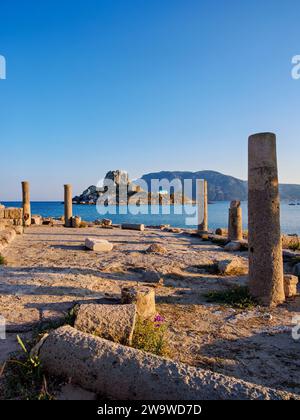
(218, 214)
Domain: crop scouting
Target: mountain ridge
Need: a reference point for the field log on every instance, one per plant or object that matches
(220, 187)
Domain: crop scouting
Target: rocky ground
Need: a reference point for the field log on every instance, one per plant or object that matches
(48, 271)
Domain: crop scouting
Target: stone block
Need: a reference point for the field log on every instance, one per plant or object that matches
(13, 213)
(232, 267)
(233, 246)
(7, 236)
(36, 220)
(76, 222)
(290, 285)
(129, 226)
(99, 245)
(19, 230)
(112, 322)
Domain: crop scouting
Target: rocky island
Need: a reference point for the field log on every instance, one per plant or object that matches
(134, 193)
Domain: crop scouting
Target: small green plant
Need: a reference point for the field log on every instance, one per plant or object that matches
(236, 297)
(151, 336)
(290, 242)
(2, 260)
(295, 246)
(25, 379)
(71, 316)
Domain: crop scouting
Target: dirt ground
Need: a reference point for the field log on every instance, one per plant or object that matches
(49, 271)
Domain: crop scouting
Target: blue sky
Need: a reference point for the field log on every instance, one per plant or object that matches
(143, 85)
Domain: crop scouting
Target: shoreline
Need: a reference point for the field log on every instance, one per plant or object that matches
(217, 215)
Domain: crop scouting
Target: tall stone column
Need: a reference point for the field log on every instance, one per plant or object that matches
(202, 206)
(265, 248)
(26, 203)
(68, 205)
(235, 225)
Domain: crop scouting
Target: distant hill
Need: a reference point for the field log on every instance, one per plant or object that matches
(220, 187)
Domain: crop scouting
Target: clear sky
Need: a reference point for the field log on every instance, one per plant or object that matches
(143, 85)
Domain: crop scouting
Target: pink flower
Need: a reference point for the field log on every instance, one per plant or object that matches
(159, 319)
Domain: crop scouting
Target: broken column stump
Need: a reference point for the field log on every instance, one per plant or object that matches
(144, 298)
(235, 223)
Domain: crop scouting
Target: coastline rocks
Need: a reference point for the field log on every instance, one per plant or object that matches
(112, 322)
(99, 245)
(91, 194)
(118, 177)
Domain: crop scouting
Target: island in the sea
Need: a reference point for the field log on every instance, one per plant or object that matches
(134, 193)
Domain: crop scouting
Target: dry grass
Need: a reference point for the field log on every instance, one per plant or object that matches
(291, 242)
(152, 337)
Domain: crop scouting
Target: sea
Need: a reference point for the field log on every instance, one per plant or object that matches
(177, 216)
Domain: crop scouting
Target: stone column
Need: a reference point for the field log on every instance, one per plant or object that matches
(265, 248)
(202, 206)
(68, 205)
(26, 203)
(235, 224)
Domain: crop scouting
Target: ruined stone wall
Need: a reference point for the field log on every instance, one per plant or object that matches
(11, 224)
